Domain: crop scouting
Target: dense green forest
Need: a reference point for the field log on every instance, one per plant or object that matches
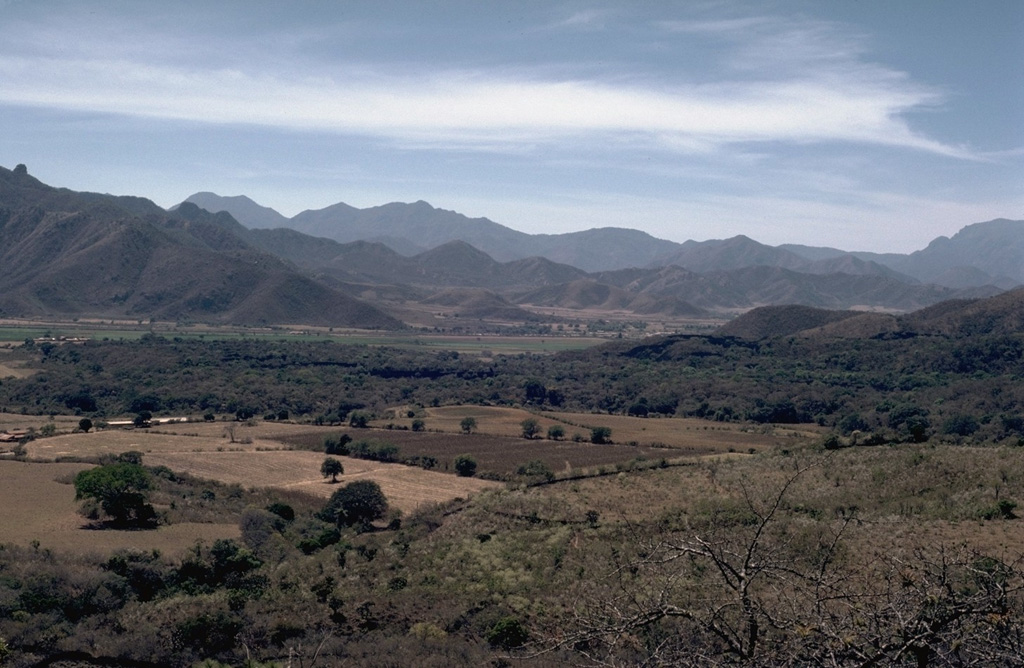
(887, 388)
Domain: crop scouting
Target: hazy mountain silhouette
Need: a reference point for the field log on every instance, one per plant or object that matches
(982, 254)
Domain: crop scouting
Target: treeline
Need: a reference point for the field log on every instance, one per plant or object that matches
(895, 389)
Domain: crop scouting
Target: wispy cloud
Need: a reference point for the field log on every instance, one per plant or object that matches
(482, 108)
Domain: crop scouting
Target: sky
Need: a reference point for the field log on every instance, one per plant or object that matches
(858, 124)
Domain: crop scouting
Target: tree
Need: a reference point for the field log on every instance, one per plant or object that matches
(418, 425)
(358, 502)
(337, 445)
(556, 432)
(468, 424)
(601, 435)
(142, 419)
(120, 490)
(530, 428)
(359, 420)
(85, 424)
(535, 391)
(465, 466)
(331, 468)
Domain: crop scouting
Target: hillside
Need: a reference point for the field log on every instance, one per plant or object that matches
(76, 254)
(769, 321)
(999, 315)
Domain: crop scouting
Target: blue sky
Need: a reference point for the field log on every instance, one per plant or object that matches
(862, 124)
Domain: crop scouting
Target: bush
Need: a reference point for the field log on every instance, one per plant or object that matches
(507, 633)
(960, 425)
(282, 510)
(465, 466)
(601, 435)
(556, 432)
(337, 445)
(358, 502)
(374, 451)
(536, 469)
(120, 490)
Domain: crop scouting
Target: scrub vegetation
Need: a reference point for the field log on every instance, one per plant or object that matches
(685, 500)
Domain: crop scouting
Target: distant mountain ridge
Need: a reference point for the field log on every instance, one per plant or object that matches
(70, 254)
(66, 253)
(981, 254)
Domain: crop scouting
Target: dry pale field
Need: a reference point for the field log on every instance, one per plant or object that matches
(37, 507)
(405, 487)
(203, 450)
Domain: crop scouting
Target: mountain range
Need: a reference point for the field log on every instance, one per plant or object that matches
(230, 260)
(983, 254)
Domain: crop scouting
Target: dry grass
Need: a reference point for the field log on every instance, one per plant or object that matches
(14, 368)
(405, 487)
(170, 438)
(203, 450)
(36, 507)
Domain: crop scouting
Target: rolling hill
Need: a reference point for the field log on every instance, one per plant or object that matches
(1001, 314)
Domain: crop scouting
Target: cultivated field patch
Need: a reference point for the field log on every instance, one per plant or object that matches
(405, 487)
(500, 455)
(39, 504)
(683, 433)
(265, 460)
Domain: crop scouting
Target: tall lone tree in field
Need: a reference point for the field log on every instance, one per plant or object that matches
(331, 468)
(468, 424)
(531, 428)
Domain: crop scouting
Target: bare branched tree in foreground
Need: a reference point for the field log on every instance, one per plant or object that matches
(759, 584)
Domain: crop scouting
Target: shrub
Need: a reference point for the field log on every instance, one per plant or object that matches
(536, 469)
(556, 432)
(601, 435)
(507, 633)
(282, 510)
(465, 466)
(337, 445)
(374, 451)
(358, 502)
(530, 428)
(120, 490)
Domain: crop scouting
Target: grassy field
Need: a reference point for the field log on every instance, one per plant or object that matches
(39, 504)
(14, 332)
(262, 455)
(406, 487)
(257, 458)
